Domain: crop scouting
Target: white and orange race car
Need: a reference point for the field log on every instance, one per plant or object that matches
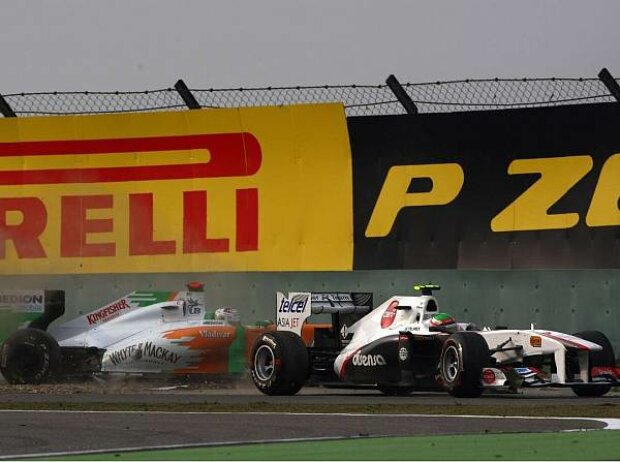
(148, 333)
(407, 344)
(144, 332)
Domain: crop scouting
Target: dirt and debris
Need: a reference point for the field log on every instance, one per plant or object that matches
(119, 385)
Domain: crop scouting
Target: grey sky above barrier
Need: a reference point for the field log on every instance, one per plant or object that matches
(75, 45)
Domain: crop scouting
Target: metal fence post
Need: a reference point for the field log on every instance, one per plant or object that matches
(401, 95)
(5, 108)
(187, 96)
(610, 83)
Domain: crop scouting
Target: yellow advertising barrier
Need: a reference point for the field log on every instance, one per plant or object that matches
(251, 189)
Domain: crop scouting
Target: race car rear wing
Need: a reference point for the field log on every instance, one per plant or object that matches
(295, 307)
(341, 302)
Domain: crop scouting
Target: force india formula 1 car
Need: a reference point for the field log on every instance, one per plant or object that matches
(406, 344)
(141, 333)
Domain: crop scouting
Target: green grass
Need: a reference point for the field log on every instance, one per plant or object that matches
(590, 445)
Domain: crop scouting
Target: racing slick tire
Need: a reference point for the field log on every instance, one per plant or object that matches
(602, 358)
(280, 363)
(30, 356)
(463, 356)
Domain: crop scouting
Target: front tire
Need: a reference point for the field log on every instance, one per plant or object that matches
(30, 356)
(279, 363)
(463, 357)
(602, 358)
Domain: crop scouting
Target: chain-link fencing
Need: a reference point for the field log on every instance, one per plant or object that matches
(358, 100)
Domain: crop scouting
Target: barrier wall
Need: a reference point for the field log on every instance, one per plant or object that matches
(515, 213)
(565, 300)
(519, 189)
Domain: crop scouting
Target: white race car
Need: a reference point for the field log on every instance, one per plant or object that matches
(407, 344)
(144, 332)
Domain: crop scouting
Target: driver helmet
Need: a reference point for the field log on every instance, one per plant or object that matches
(442, 322)
(228, 314)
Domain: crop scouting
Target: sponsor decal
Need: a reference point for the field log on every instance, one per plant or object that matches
(292, 311)
(158, 352)
(387, 319)
(288, 323)
(145, 352)
(368, 360)
(403, 354)
(296, 305)
(215, 334)
(22, 300)
(269, 341)
(193, 306)
(332, 297)
(411, 328)
(108, 312)
(123, 354)
(344, 331)
(488, 376)
(535, 341)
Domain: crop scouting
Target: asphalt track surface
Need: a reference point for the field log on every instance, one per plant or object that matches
(29, 433)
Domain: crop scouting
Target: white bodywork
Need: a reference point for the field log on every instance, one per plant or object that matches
(386, 320)
(143, 337)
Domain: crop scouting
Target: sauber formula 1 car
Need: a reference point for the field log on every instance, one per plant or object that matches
(407, 344)
(141, 333)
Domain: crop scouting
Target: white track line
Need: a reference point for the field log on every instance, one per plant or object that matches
(184, 446)
(613, 421)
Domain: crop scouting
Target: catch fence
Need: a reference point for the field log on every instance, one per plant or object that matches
(358, 100)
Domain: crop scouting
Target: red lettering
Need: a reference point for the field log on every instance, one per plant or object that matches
(231, 154)
(247, 220)
(195, 238)
(75, 226)
(25, 235)
(141, 228)
(107, 311)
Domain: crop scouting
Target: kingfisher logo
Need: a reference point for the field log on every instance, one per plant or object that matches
(108, 312)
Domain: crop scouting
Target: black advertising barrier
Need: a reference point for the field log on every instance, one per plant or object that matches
(513, 189)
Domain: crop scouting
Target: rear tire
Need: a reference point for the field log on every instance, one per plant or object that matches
(279, 363)
(463, 357)
(30, 356)
(603, 358)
